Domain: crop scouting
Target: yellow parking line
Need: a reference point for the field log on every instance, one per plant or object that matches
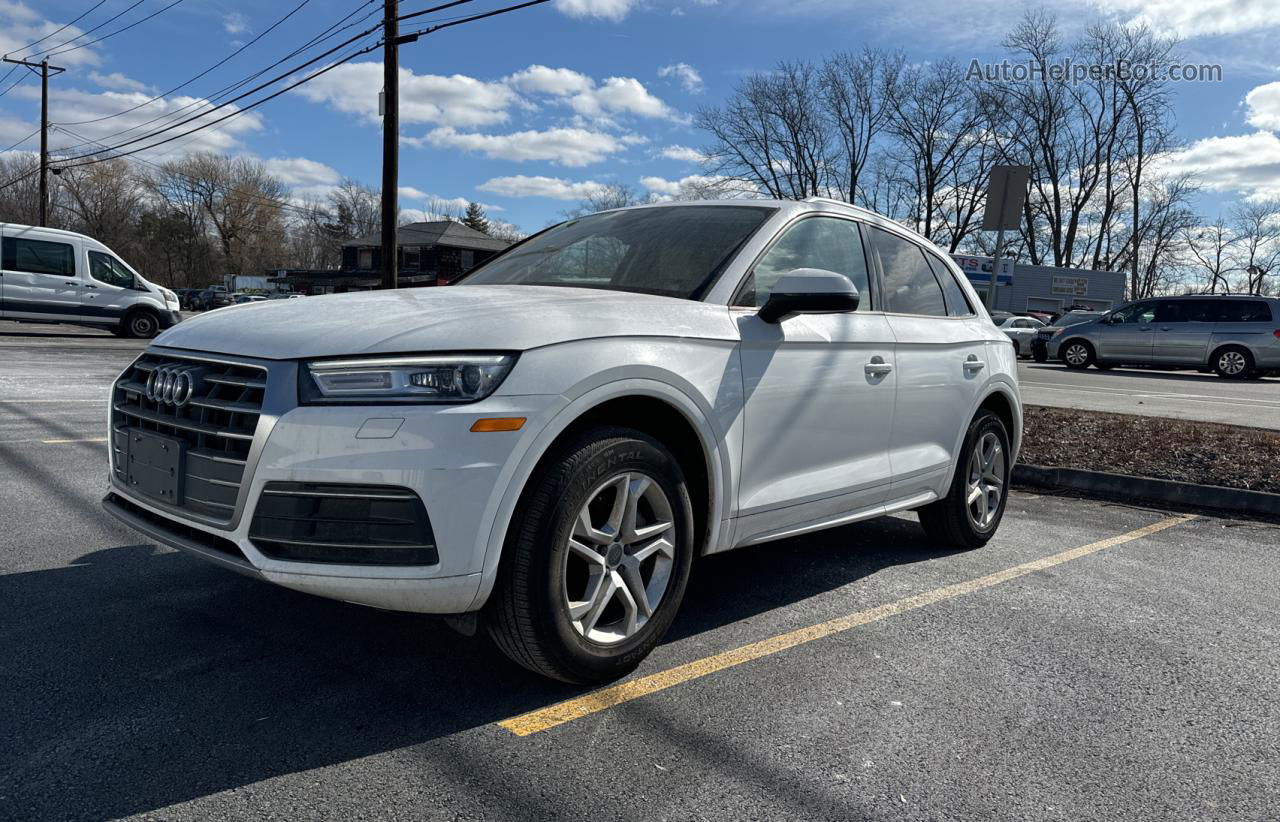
(587, 704)
(64, 442)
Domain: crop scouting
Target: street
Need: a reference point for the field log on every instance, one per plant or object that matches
(1183, 395)
(1093, 661)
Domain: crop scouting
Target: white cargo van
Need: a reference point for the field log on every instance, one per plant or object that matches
(49, 275)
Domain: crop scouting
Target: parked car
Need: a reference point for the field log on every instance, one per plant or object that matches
(52, 276)
(543, 448)
(1040, 343)
(1021, 330)
(241, 299)
(208, 299)
(1235, 335)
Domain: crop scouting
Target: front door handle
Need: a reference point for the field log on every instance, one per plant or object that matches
(972, 363)
(877, 367)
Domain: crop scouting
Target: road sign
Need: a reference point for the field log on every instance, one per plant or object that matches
(1006, 191)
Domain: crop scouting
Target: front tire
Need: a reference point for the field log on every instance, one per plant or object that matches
(1077, 354)
(142, 324)
(970, 513)
(596, 559)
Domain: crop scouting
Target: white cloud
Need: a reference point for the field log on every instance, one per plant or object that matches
(599, 102)
(614, 10)
(411, 193)
(69, 105)
(686, 74)
(684, 154)
(1247, 163)
(299, 171)
(20, 25)
(1264, 106)
(235, 23)
(457, 100)
(572, 147)
(1202, 17)
(117, 82)
(559, 82)
(697, 187)
(549, 187)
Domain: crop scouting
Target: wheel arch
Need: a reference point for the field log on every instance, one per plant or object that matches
(655, 408)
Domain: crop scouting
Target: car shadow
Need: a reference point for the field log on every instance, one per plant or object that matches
(139, 677)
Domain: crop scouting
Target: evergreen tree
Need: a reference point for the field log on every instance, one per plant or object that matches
(475, 218)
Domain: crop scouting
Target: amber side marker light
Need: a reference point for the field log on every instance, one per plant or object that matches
(498, 424)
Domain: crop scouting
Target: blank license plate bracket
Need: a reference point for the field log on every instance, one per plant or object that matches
(154, 465)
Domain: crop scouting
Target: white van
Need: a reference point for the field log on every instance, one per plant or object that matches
(50, 275)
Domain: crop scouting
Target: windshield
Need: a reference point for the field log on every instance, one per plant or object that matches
(673, 251)
(1075, 319)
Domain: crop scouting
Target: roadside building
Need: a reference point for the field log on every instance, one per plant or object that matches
(1045, 288)
(435, 253)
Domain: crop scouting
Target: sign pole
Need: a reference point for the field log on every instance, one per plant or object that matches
(1006, 190)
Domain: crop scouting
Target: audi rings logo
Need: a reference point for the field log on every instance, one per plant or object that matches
(173, 384)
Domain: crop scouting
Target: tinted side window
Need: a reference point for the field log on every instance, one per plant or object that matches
(1185, 311)
(107, 269)
(815, 242)
(1137, 313)
(39, 257)
(1243, 311)
(909, 284)
(957, 303)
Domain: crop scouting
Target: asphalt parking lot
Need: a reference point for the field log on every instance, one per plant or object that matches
(1094, 661)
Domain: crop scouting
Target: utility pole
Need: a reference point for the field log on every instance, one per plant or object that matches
(44, 69)
(390, 139)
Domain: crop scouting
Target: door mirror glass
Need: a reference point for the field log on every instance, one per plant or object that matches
(809, 291)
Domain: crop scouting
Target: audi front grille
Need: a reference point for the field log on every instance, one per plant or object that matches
(206, 410)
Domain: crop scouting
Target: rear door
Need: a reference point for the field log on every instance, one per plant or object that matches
(941, 361)
(42, 281)
(1183, 330)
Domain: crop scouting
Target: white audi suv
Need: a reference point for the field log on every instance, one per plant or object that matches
(544, 448)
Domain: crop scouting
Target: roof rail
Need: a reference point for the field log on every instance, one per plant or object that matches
(834, 201)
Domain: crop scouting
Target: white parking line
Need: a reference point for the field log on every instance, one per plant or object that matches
(1153, 395)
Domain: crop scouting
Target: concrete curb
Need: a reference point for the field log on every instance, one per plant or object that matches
(1177, 495)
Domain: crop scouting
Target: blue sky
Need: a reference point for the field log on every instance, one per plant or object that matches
(526, 112)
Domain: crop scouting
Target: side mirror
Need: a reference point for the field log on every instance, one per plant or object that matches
(809, 291)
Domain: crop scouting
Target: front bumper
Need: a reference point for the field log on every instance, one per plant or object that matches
(461, 477)
(170, 318)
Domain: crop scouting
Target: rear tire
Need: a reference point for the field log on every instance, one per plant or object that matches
(970, 513)
(1233, 362)
(579, 573)
(1077, 354)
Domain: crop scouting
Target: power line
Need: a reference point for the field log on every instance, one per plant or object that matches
(92, 30)
(20, 142)
(18, 179)
(60, 29)
(177, 113)
(183, 85)
(15, 82)
(117, 31)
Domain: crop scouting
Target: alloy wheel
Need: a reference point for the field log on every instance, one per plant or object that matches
(984, 491)
(619, 558)
(1076, 354)
(1232, 363)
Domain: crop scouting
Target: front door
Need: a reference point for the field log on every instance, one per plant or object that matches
(1127, 334)
(40, 278)
(818, 390)
(1183, 331)
(109, 291)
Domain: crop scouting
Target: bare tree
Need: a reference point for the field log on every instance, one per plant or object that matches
(773, 133)
(857, 90)
(1257, 229)
(1211, 249)
(607, 196)
(103, 200)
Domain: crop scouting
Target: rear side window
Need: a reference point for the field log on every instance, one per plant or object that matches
(1243, 311)
(38, 257)
(1185, 311)
(957, 303)
(909, 284)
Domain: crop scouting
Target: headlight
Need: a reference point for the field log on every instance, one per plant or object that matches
(438, 378)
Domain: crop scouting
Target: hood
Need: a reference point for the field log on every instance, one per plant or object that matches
(453, 318)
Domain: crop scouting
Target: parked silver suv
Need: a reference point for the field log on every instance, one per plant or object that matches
(1236, 336)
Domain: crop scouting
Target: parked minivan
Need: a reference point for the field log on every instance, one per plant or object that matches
(50, 275)
(1238, 336)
